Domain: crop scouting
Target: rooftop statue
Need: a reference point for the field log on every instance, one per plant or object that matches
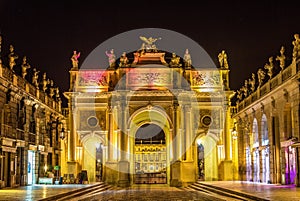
(296, 49)
(148, 44)
(187, 59)
(245, 88)
(252, 83)
(123, 60)
(240, 94)
(45, 82)
(261, 76)
(223, 59)
(269, 66)
(51, 92)
(111, 58)
(74, 59)
(35, 78)
(24, 66)
(175, 60)
(12, 57)
(281, 58)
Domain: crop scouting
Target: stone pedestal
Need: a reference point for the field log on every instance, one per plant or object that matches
(72, 168)
(183, 173)
(111, 173)
(226, 170)
(176, 174)
(188, 175)
(123, 174)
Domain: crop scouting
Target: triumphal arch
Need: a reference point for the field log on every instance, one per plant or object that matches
(150, 115)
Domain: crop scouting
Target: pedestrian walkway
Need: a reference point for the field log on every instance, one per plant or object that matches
(267, 191)
(37, 192)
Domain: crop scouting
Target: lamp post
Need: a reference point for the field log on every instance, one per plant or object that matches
(62, 134)
(234, 135)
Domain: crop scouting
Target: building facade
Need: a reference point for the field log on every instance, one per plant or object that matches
(149, 117)
(267, 121)
(31, 118)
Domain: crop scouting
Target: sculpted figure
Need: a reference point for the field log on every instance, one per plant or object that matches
(51, 92)
(74, 59)
(123, 60)
(239, 94)
(12, 57)
(45, 82)
(245, 88)
(281, 58)
(223, 59)
(269, 66)
(24, 66)
(187, 59)
(261, 76)
(111, 58)
(35, 77)
(149, 43)
(296, 49)
(175, 60)
(252, 82)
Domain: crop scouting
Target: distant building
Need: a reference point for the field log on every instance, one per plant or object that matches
(31, 121)
(267, 122)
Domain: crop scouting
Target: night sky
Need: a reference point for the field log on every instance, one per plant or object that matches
(47, 32)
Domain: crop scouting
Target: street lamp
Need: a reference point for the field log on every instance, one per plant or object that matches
(234, 132)
(62, 133)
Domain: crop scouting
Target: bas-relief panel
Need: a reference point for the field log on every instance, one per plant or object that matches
(149, 77)
(206, 78)
(92, 78)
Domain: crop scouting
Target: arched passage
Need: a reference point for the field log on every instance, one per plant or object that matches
(151, 135)
(206, 157)
(150, 155)
(92, 157)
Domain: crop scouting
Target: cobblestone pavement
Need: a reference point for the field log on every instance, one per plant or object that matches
(153, 193)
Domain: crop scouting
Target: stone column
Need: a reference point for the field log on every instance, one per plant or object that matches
(123, 163)
(227, 134)
(188, 133)
(175, 132)
(72, 135)
(110, 142)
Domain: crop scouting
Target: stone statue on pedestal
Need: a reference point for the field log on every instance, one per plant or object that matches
(149, 43)
(269, 66)
(261, 76)
(296, 49)
(35, 78)
(223, 59)
(12, 57)
(281, 58)
(24, 66)
(74, 59)
(187, 59)
(111, 58)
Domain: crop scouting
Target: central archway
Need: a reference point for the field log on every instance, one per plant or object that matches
(150, 155)
(150, 129)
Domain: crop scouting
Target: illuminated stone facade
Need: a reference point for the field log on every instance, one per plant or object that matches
(31, 118)
(267, 122)
(143, 121)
